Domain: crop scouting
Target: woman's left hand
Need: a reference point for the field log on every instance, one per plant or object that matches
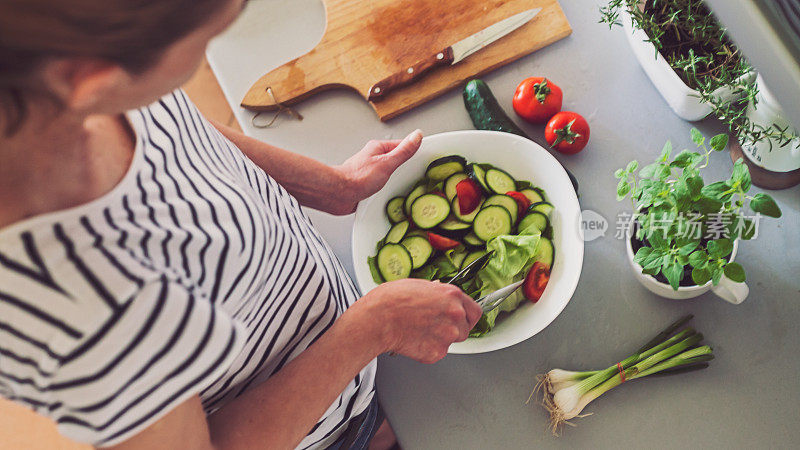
(367, 171)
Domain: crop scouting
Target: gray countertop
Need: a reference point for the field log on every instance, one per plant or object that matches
(749, 395)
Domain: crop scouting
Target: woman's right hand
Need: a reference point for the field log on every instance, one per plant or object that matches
(417, 318)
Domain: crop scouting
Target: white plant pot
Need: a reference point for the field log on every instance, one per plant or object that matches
(684, 100)
(727, 289)
(766, 153)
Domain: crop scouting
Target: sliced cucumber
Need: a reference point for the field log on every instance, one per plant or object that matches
(394, 262)
(499, 181)
(422, 233)
(473, 240)
(541, 193)
(429, 210)
(454, 225)
(418, 190)
(532, 195)
(534, 219)
(545, 252)
(442, 168)
(492, 221)
(464, 217)
(397, 232)
(472, 257)
(450, 184)
(394, 209)
(479, 175)
(420, 250)
(458, 257)
(506, 202)
(545, 208)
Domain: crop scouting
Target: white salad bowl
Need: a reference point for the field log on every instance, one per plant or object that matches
(522, 159)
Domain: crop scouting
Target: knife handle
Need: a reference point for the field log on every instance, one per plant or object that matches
(411, 74)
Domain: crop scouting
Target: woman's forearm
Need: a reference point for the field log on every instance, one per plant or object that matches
(280, 412)
(314, 184)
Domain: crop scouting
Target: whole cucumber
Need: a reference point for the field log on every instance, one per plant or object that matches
(487, 114)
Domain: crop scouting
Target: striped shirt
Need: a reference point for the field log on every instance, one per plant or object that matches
(197, 274)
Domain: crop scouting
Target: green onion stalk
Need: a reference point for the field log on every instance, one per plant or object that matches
(566, 393)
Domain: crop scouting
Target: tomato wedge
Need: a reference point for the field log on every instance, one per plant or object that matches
(441, 243)
(469, 196)
(522, 201)
(535, 282)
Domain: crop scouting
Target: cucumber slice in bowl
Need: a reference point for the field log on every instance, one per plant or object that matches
(429, 210)
(532, 195)
(415, 193)
(543, 207)
(545, 252)
(420, 250)
(472, 257)
(473, 240)
(534, 219)
(492, 221)
(499, 181)
(464, 217)
(397, 232)
(451, 182)
(394, 262)
(395, 210)
(477, 173)
(506, 202)
(442, 168)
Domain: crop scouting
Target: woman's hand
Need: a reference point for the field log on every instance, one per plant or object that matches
(367, 171)
(417, 318)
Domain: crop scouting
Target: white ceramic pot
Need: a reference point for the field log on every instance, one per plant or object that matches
(684, 100)
(764, 153)
(727, 289)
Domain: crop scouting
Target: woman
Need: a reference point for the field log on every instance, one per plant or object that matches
(159, 285)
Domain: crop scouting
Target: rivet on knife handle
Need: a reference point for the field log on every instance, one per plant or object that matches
(411, 74)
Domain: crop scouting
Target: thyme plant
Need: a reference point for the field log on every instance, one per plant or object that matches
(696, 46)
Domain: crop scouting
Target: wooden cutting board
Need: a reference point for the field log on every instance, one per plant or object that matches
(365, 41)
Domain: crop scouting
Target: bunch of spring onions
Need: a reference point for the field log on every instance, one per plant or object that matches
(566, 393)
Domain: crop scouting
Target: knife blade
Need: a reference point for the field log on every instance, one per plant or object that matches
(451, 55)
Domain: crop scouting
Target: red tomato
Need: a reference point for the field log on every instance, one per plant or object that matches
(535, 282)
(522, 201)
(537, 99)
(440, 242)
(469, 196)
(567, 132)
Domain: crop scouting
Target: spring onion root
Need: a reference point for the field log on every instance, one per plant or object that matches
(565, 393)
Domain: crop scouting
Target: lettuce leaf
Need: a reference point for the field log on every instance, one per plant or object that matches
(513, 257)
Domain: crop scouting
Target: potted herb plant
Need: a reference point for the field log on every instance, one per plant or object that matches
(684, 234)
(686, 54)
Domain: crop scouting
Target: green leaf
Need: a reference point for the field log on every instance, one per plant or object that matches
(707, 205)
(720, 248)
(718, 142)
(718, 191)
(665, 152)
(698, 258)
(764, 204)
(695, 186)
(641, 255)
(697, 137)
(664, 172)
(623, 188)
(619, 173)
(716, 274)
(735, 272)
(684, 159)
(633, 165)
(688, 248)
(373, 270)
(674, 272)
(700, 275)
(741, 175)
(649, 170)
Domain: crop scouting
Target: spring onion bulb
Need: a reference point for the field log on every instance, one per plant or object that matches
(566, 393)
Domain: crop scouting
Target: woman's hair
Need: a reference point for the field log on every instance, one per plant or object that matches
(131, 33)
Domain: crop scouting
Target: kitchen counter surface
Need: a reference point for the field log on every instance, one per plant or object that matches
(747, 398)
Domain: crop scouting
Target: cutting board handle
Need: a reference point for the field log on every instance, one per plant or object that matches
(291, 83)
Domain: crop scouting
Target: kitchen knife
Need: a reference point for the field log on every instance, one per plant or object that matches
(452, 54)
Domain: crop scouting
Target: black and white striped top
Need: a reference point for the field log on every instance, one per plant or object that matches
(197, 274)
